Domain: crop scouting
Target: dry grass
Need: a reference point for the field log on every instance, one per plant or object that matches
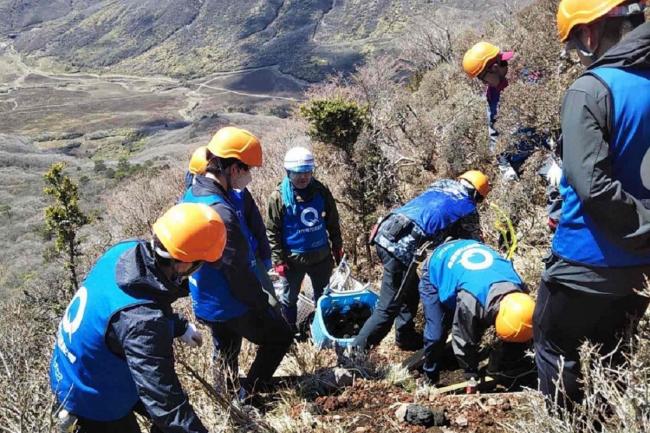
(617, 397)
(431, 128)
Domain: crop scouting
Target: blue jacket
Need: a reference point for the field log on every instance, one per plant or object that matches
(86, 376)
(578, 238)
(470, 266)
(212, 298)
(141, 332)
(445, 209)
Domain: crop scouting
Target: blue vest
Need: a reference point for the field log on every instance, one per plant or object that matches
(577, 238)
(212, 298)
(437, 208)
(468, 265)
(304, 230)
(237, 200)
(88, 379)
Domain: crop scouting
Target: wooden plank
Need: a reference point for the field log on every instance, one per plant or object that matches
(487, 380)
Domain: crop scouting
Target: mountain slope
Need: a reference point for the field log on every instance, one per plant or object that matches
(195, 37)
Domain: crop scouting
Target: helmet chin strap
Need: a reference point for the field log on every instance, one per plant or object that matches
(584, 52)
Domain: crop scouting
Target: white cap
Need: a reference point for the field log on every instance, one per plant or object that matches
(299, 160)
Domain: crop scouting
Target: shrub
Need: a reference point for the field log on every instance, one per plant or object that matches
(335, 121)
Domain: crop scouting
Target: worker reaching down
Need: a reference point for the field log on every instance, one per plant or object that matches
(466, 288)
(446, 208)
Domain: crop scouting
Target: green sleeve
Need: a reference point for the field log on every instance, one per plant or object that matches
(274, 228)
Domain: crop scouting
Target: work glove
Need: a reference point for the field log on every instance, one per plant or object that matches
(281, 269)
(472, 385)
(338, 255)
(554, 174)
(192, 336)
(509, 174)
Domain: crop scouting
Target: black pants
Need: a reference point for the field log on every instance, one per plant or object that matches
(390, 309)
(128, 424)
(266, 329)
(319, 274)
(564, 318)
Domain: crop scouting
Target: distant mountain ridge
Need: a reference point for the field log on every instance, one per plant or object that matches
(190, 38)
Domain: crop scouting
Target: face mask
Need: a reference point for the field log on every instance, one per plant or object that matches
(240, 182)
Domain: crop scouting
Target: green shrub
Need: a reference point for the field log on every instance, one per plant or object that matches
(335, 121)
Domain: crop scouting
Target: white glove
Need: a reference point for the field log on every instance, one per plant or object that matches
(554, 174)
(509, 174)
(192, 336)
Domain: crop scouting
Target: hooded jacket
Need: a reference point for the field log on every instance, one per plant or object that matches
(588, 114)
(142, 335)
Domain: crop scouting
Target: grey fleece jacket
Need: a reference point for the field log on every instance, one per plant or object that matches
(586, 127)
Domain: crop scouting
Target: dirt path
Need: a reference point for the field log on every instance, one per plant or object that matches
(192, 90)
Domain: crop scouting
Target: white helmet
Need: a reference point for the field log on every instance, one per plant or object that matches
(299, 160)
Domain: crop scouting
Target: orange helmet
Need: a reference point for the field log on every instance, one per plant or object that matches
(191, 232)
(478, 180)
(514, 321)
(232, 142)
(477, 58)
(199, 161)
(572, 13)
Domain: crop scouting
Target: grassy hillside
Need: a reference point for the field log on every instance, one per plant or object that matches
(308, 39)
(426, 120)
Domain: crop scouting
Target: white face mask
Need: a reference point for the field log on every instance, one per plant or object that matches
(240, 182)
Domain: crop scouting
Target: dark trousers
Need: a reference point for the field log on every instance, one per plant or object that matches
(266, 329)
(128, 424)
(564, 318)
(401, 311)
(437, 323)
(319, 274)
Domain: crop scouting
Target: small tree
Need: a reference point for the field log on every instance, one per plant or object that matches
(335, 121)
(63, 218)
(344, 124)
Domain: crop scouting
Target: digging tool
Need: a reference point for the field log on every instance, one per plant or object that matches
(487, 380)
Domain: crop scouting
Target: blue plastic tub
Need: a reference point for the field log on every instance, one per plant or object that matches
(319, 334)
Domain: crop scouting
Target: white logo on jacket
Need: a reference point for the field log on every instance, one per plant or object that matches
(70, 325)
(309, 217)
(645, 170)
(467, 257)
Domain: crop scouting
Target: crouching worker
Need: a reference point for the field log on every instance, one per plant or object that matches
(467, 287)
(447, 208)
(228, 296)
(113, 354)
(303, 229)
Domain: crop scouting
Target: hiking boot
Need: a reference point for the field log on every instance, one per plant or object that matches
(411, 343)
